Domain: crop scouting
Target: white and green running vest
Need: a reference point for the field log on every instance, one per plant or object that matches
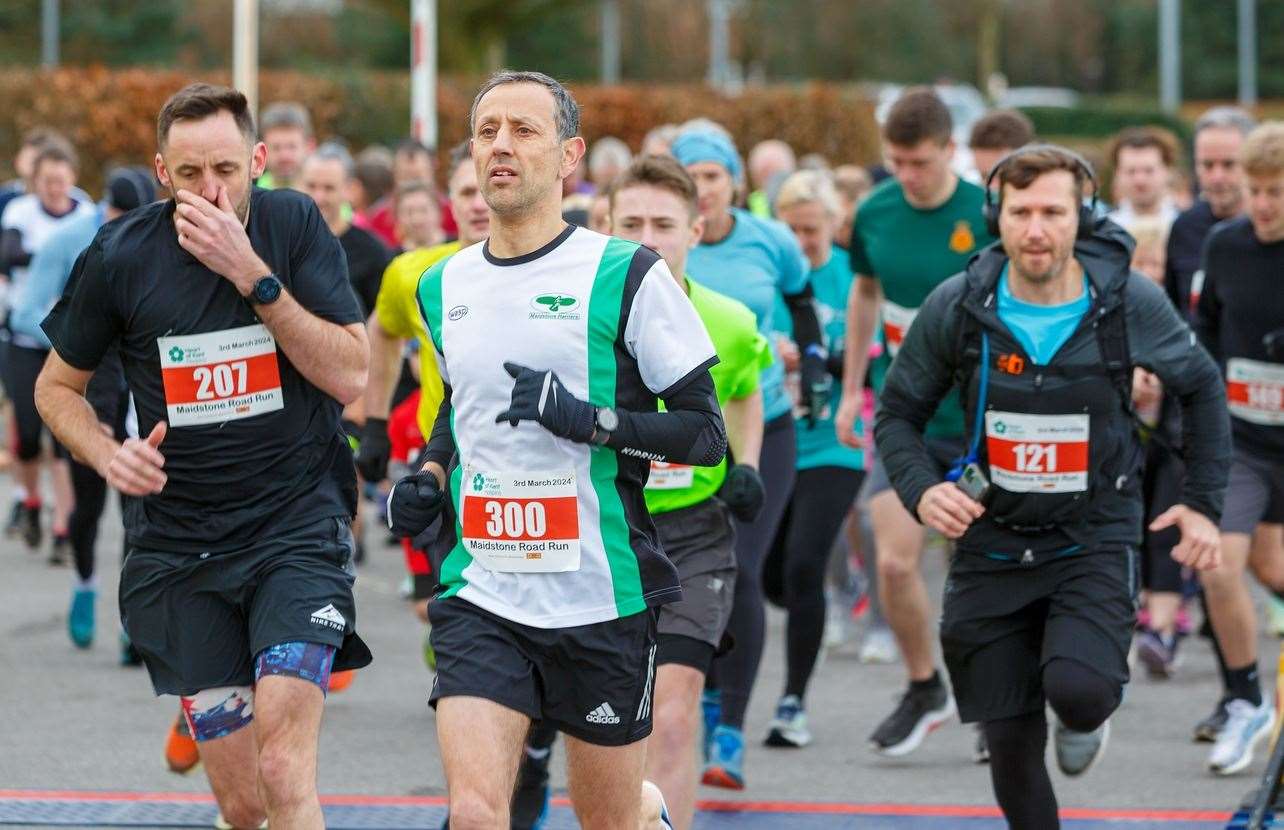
(554, 533)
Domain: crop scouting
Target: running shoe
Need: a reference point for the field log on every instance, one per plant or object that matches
(1158, 654)
(60, 550)
(531, 796)
(981, 749)
(1078, 751)
(14, 528)
(220, 823)
(920, 711)
(181, 754)
(725, 767)
(789, 727)
(710, 713)
(1207, 730)
(651, 794)
(80, 620)
(1246, 725)
(30, 525)
(341, 680)
(879, 646)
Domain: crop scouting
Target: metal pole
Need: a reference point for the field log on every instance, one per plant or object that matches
(719, 42)
(1247, 53)
(1170, 54)
(49, 33)
(423, 71)
(245, 51)
(610, 12)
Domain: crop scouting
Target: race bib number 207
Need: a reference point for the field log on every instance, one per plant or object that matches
(220, 375)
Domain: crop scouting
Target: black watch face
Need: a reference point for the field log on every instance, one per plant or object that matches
(267, 289)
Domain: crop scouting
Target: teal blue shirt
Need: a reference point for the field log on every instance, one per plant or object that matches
(1041, 329)
(758, 263)
(818, 446)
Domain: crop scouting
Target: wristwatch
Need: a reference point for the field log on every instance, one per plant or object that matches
(266, 290)
(605, 421)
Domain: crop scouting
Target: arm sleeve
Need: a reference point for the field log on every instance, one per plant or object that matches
(441, 444)
(857, 253)
(802, 313)
(86, 321)
(319, 272)
(1208, 313)
(690, 431)
(918, 379)
(1165, 345)
(107, 388)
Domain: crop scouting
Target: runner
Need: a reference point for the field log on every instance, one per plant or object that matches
(829, 474)
(237, 589)
(1143, 158)
(1039, 601)
(911, 234)
(547, 608)
(996, 134)
(655, 203)
(286, 128)
(759, 263)
(1240, 318)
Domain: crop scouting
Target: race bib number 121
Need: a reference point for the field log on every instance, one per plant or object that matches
(220, 375)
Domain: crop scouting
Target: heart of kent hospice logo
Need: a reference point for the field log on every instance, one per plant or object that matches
(1000, 427)
(176, 354)
(554, 306)
(479, 481)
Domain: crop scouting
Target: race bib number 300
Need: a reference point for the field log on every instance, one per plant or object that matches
(1037, 453)
(1255, 391)
(220, 375)
(521, 522)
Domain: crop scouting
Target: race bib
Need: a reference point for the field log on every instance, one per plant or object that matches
(1255, 391)
(896, 322)
(1037, 453)
(220, 375)
(521, 522)
(666, 476)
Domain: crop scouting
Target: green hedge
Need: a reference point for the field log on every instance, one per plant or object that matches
(1098, 120)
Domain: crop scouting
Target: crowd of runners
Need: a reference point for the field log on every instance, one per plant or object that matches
(612, 405)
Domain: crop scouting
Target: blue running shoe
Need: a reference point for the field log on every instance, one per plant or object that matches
(711, 711)
(725, 767)
(80, 621)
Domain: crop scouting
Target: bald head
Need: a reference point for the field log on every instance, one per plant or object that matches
(769, 159)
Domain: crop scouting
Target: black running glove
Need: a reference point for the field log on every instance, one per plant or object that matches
(375, 448)
(413, 504)
(816, 382)
(539, 396)
(743, 492)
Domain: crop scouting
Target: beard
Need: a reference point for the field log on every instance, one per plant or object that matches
(1045, 275)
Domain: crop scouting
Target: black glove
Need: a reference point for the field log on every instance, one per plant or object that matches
(816, 382)
(743, 492)
(373, 452)
(413, 504)
(539, 396)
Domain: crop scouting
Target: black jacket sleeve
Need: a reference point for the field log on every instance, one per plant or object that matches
(1208, 312)
(802, 313)
(690, 431)
(1161, 342)
(441, 444)
(12, 254)
(919, 378)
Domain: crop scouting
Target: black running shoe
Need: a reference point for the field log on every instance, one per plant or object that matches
(30, 523)
(919, 712)
(1207, 730)
(14, 528)
(60, 551)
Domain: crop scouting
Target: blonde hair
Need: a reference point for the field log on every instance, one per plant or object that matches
(1262, 153)
(807, 187)
(1149, 233)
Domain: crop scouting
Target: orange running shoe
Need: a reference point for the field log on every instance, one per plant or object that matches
(181, 753)
(341, 680)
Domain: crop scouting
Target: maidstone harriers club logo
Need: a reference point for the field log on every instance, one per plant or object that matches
(555, 306)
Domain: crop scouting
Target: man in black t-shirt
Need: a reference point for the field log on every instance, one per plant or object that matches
(240, 340)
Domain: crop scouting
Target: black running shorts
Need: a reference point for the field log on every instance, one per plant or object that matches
(199, 620)
(700, 540)
(1001, 623)
(594, 682)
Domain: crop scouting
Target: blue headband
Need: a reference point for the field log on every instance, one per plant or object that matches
(705, 145)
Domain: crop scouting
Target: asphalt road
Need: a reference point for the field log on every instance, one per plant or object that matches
(77, 720)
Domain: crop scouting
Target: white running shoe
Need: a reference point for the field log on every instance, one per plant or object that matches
(879, 647)
(1246, 725)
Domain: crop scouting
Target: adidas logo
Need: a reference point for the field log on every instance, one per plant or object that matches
(329, 617)
(602, 714)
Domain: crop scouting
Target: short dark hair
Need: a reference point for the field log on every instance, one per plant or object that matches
(286, 115)
(411, 147)
(1001, 130)
(57, 153)
(1022, 169)
(375, 178)
(461, 153)
(409, 189)
(566, 113)
(1139, 138)
(196, 101)
(663, 172)
(43, 136)
(919, 114)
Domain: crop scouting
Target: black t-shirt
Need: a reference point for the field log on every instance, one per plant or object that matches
(1242, 301)
(1185, 249)
(367, 259)
(253, 449)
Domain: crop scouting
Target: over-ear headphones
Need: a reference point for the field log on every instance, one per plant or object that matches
(994, 205)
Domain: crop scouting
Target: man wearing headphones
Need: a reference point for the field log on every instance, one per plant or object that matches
(1040, 334)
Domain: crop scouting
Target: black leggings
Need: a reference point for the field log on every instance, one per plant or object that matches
(22, 367)
(1082, 700)
(91, 499)
(734, 673)
(804, 542)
